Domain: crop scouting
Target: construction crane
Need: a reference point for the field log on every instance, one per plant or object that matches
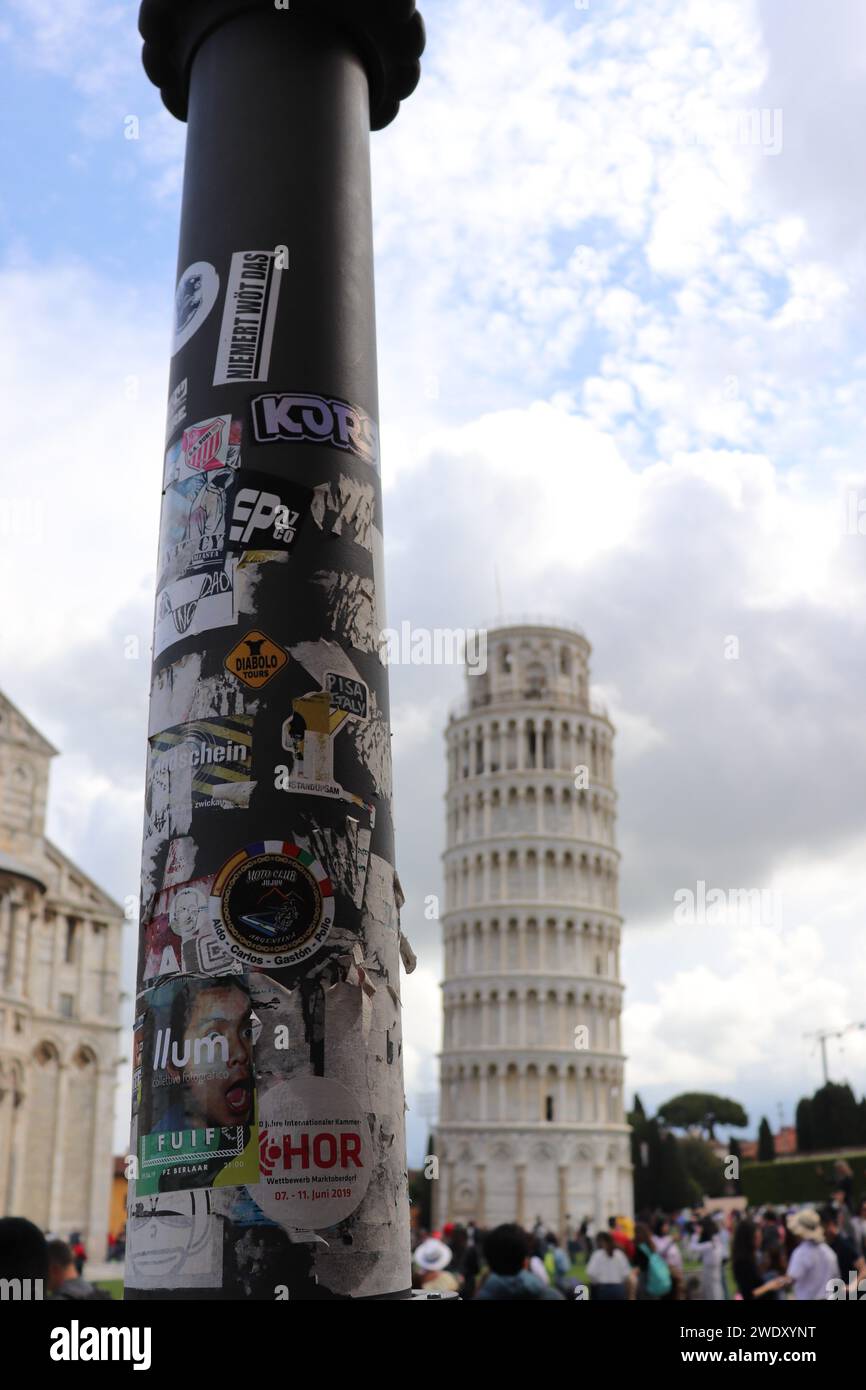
(822, 1035)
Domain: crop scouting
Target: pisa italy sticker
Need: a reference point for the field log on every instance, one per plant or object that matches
(272, 904)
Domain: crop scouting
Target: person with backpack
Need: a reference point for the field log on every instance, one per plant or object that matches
(556, 1265)
(654, 1277)
(666, 1242)
(707, 1245)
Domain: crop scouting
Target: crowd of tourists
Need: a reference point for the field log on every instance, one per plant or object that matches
(753, 1255)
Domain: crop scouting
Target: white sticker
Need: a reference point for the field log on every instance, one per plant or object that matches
(197, 291)
(315, 1154)
(174, 1241)
(196, 603)
(249, 313)
(177, 407)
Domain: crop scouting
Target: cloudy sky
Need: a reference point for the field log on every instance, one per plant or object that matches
(620, 275)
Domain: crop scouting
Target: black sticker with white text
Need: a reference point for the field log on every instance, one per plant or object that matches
(266, 512)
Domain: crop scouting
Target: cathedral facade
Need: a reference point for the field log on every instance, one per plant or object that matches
(60, 957)
(532, 1117)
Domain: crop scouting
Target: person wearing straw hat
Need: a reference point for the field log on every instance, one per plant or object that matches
(432, 1258)
(813, 1264)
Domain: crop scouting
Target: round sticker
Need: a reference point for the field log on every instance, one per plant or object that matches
(315, 1156)
(196, 294)
(272, 904)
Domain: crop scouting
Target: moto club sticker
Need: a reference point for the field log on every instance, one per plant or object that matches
(197, 291)
(272, 904)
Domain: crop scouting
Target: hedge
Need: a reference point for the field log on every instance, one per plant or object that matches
(798, 1179)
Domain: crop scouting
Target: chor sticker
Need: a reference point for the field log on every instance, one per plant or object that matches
(272, 904)
(255, 659)
(315, 1154)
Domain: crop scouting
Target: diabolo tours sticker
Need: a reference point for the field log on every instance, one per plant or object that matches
(255, 659)
(272, 904)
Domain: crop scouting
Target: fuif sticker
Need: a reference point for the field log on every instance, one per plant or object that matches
(256, 659)
(197, 291)
(249, 314)
(272, 904)
(197, 1123)
(315, 1155)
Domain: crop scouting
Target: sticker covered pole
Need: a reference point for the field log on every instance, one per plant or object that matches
(268, 1144)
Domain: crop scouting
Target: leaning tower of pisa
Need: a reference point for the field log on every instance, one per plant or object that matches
(531, 1117)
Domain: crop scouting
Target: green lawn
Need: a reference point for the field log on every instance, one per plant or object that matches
(112, 1286)
(578, 1272)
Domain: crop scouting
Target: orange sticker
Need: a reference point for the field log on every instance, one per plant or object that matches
(255, 659)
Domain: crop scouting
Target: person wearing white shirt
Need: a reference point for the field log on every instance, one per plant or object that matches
(608, 1270)
(708, 1247)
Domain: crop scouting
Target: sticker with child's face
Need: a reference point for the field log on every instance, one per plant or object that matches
(197, 1123)
(213, 1061)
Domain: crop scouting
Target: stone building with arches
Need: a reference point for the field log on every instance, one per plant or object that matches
(60, 955)
(531, 1115)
